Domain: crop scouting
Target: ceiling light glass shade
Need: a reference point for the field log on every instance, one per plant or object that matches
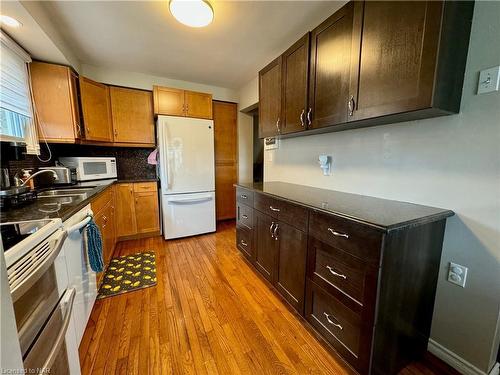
(9, 21)
(194, 13)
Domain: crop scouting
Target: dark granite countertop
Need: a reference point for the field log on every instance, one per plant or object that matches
(383, 214)
(61, 207)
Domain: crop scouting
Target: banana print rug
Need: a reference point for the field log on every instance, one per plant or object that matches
(128, 273)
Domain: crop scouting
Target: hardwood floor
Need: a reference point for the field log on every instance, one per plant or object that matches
(209, 314)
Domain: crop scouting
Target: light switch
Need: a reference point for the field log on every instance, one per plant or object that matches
(489, 80)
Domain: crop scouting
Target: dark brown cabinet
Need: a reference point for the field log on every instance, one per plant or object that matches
(270, 99)
(344, 275)
(291, 264)
(295, 63)
(397, 63)
(266, 244)
(370, 63)
(333, 51)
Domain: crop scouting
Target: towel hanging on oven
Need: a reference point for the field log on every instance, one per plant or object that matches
(94, 246)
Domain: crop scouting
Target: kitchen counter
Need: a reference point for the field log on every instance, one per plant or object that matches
(62, 207)
(383, 214)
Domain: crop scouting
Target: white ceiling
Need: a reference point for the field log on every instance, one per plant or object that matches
(142, 36)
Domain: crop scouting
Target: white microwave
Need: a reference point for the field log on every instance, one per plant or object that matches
(90, 168)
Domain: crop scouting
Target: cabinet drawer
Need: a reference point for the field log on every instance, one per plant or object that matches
(337, 270)
(284, 211)
(244, 216)
(140, 187)
(244, 241)
(339, 325)
(244, 196)
(101, 200)
(357, 239)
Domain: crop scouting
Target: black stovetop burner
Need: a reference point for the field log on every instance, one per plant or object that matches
(17, 200)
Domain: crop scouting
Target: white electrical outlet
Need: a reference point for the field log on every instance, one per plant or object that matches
(457, 274)
(489, 80)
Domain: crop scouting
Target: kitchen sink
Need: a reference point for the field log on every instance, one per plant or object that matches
(63, 192)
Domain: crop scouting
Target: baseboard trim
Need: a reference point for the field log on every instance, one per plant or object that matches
(456, 361)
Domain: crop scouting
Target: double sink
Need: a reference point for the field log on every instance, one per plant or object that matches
(53, 199)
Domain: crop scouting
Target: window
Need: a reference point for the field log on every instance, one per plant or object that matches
(16, 111)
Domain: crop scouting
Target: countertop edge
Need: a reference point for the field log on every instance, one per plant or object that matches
(383, 228)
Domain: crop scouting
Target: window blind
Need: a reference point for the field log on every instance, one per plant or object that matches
(16, 112)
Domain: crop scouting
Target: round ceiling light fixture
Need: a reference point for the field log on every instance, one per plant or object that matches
(193, 13)
(9, 21)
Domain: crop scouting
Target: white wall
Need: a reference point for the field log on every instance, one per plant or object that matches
(248, 95)
(450, 162)
(118, 77)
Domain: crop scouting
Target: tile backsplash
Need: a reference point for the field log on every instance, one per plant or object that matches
(131, 162)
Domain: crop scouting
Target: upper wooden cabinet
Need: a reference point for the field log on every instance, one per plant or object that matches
(55, 95)
(370, 63)
(270, 99)
(132, 113)
(168, 101)
(198, 104)
(176, 102)
(295, 84)
(330, 74)
(96, 109)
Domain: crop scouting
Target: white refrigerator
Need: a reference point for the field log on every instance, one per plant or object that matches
(187, 175)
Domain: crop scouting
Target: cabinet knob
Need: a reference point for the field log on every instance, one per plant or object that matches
(274, 209)
(243, 243)
(244, 216)
(275, 232)
(271, 229)
(278, 125)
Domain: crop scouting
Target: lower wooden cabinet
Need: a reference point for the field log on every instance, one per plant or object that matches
(147, 212)
(125, 218)
(344, 275)
(137, 211)
(277, 249)
(291, 264)
(265, 245)
(103, 207)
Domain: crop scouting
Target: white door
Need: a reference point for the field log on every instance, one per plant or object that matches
(186, 155)
(188, 214)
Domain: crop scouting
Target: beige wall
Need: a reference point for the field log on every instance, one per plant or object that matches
(118, 77)
(451, 162)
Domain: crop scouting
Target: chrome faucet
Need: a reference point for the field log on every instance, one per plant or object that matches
(19, 182)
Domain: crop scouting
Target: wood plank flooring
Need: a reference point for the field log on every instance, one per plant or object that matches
(209, 314)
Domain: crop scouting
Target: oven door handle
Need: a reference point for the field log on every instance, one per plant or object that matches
(68, 299)
(27, 283)
(79, 225)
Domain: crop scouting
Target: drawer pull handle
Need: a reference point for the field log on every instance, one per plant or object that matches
(243, 196)
(335, 273)
(275, 234)
(274, 209)
(327, 316)
(243, 243)
(244, 216)
(338, 234)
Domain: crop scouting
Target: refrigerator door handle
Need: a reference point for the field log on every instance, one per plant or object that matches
(190, 200)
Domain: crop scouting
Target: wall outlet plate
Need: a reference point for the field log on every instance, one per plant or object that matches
(489, 80)
(457, 274)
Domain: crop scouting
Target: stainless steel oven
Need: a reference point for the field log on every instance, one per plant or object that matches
(43, 303)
